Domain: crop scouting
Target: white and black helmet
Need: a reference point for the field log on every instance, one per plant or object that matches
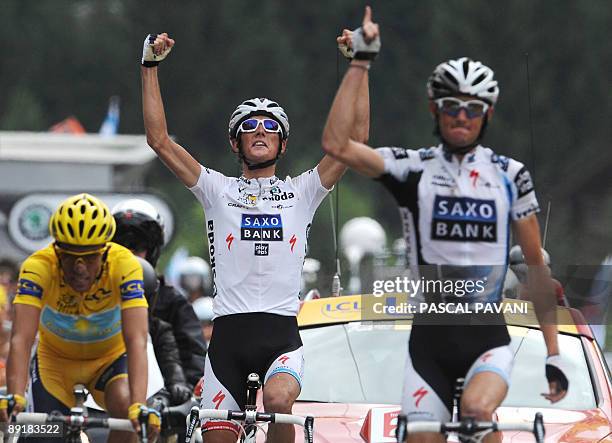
(463, 76)
(193, 274)
(258, 106)
(140, 227)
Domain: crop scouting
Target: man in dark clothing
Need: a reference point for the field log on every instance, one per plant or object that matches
(173, 308)
(176, 390)
(141, 229)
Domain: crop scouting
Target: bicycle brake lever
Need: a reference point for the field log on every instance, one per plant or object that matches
(194, 415)
(538, 428)
(400, 431)
(309, 429)
(143, 420)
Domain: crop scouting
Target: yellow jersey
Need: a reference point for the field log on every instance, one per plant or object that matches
(81, 325)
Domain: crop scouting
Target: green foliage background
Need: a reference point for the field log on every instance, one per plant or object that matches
(64, 58)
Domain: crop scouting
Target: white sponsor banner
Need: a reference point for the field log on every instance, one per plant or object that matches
(28, 221)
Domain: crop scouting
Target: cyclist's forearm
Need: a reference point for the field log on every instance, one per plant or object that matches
(341, 119)
(361, 126)
(135, 329)
(153, 109)
(137, 369)
(541, 292)
(549, 331)
(17, 365)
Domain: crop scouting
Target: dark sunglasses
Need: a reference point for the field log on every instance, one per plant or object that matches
(251, 124)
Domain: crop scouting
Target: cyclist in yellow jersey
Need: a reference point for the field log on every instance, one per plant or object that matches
(84, 296)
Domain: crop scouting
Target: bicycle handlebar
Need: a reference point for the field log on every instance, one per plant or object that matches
(464, 428)
(252, 417)
(115, 424)
(469, 427)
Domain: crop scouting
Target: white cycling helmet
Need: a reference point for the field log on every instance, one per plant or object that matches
(203, 308)
(258, 106)
(194, 267)
(463, 76)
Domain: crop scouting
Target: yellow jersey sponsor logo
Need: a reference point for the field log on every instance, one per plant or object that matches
(28, 287)
(132, 289)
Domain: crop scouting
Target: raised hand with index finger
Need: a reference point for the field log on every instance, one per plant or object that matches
(366, 39)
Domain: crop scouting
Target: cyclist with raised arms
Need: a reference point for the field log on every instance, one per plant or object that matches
(456, 200)
(84, 296)
(257, 227)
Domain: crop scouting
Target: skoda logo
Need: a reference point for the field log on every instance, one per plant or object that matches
(34, 222)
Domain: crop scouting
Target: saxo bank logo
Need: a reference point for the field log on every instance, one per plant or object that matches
(464, 219)
(261, 227)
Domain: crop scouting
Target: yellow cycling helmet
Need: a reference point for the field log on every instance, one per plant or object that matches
(82, 220)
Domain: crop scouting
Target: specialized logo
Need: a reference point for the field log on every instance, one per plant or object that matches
(229, 239)
(218, 399)
(260, 227)
(28, 287)
(292, 241)
(283, 359)
(132, 289)
(419, 394)
(262, 249)
(474, 176)
(464, 219)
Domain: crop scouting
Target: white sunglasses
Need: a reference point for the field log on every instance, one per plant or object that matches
(251, 125)
(452, 106)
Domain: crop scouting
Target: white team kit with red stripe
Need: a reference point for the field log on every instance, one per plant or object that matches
(456, 217)
(257, 233)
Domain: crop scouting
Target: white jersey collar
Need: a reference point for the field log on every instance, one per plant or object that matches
(252, 190)
(472, 157)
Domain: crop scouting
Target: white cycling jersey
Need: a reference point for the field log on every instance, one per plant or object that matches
(257, 234)
(459, 214)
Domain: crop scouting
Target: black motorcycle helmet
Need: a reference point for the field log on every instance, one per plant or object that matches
(139, 228)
